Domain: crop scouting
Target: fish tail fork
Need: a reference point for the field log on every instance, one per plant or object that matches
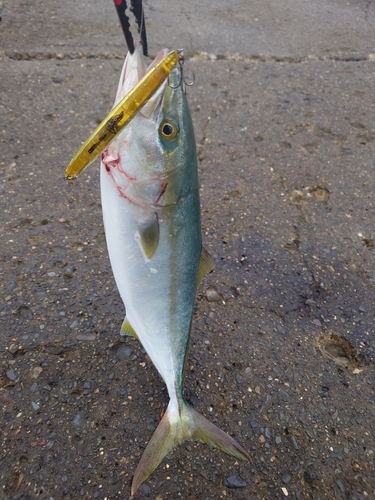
(177, 426)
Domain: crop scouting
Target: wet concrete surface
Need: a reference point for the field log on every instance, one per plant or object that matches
(283, 347)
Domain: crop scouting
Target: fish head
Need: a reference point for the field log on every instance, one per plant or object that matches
(153, 159)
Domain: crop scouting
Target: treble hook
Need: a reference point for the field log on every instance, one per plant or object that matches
(182, 80)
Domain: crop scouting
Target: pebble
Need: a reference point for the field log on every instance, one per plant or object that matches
(36, 371)
(69, 270)
(124, 352)
(13, 348)
(195, 401)
(341, 486)
(278, 440)
(294, 443)
(146, 490)
(35, 406)
(284, 395)
(74, 325)
(84, 464)
(286, 478)
(86, 336)
(12, 285)
(79, 420)
(11, 375)
(212, 295)
(234, 481)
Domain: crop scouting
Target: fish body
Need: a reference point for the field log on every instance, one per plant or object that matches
(151, 212)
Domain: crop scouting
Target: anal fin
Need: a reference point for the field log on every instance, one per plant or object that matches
(206, 264)
(127, 329)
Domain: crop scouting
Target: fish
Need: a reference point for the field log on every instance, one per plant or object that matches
(151, 214)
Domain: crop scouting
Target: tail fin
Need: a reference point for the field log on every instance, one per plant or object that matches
(179, 425)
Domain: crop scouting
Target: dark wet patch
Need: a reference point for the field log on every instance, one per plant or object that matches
(341, 351)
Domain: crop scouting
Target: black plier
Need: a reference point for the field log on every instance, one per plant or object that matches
(137, 9)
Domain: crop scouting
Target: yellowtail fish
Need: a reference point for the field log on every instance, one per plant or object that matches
(150, 199)
(121, 114)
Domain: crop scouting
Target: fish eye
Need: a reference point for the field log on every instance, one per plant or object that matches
(168, 130)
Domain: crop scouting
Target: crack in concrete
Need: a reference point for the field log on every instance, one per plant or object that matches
(199, 56)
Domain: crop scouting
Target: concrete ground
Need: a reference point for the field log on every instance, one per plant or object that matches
(282, 355)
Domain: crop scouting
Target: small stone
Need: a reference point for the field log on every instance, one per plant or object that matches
(11, 375)
(234, 481)
(253, 424)
(261, 439)
(12, 285)
(239, 378)
(285, 396)
(316, 322)
(341, 486)
(51, 274)
(84, 464)
(79, 420)
(278, 440)
(195, 401)
(36, 371)
(88, 337)
(212, 295)
(281, 329)
(146, 490)
(124, 352)
(74, 325)
(13, 348)
(69, 270)
(310, 302)
(35, 406)
(286, 478)
(294, 442)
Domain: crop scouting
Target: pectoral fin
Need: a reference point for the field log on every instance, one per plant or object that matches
(148, 236)
(127, 329)
(206, 264)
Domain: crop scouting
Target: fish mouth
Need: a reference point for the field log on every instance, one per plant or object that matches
(134, 69)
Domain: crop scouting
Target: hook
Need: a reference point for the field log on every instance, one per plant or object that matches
(182, 80)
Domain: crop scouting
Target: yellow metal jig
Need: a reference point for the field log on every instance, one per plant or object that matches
(121, 114)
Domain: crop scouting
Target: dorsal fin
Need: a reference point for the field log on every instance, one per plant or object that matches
(127, 329)
(206, 264)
